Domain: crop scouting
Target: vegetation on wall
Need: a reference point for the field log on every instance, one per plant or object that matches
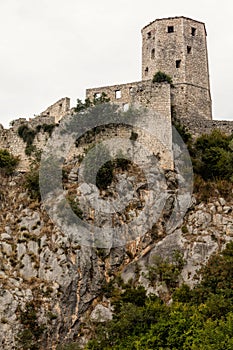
(8, 162)
(28, 135)
(80, 106)
(161, 77)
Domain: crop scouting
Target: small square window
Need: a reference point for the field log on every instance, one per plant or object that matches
(117, 94)
(178, 62)
(189, 49)
(146, 71)
(170, 29)
(148, 35)
(193, 31)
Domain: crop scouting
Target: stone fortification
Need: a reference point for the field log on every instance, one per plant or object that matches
(198, 126)
(11, 141)
(58, 110)
(177, 46)
(145, 93)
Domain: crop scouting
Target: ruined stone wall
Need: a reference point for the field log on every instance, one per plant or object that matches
(199, 126)
(58, 109)
(160, 147)
(154, 96)
(10, 140)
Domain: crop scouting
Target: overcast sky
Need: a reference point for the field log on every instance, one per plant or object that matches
(51, 49)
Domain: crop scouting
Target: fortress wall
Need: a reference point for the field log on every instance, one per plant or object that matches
(155, 96)
(10, 140)
(191, 101)
(198, 126)
(58, 110)
(153, 144)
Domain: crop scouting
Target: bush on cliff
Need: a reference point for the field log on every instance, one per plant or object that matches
(8, 162)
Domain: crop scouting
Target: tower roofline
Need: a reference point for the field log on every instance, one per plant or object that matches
(176, 17)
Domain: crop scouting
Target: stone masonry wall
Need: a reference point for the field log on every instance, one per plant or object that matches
(10, 140)
(154, 96)
(191, 101)
(58, 110)
(198, 126)
(177, 46)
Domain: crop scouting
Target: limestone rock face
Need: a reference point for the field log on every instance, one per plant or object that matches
(50, 279)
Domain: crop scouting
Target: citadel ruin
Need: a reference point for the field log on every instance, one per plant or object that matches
(176, 46)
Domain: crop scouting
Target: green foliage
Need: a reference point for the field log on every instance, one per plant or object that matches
(31, 183)
(32, 330)
(198, 319)
(81, 106)
(161, 77)
(213, 157)
(8, 162)
(75, 206)
(46, 128)
(166, 271)
(69, 346)
(104, 175)
(186, 136)
(28, 135)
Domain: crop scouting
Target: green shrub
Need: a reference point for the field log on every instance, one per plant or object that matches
(197, 319)
(75, 207)
(161, 77)
(81, 106)
(8, 162)
(28, 135)
(29, 337)
(32, 183)
(166, 271)
(212, 156)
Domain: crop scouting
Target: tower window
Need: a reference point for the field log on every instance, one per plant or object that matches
(178, 62)
(117, 94)
(189, 49)
(146, 71)
(170, 29)
(152, 54)
(148, 35)
(193, 31)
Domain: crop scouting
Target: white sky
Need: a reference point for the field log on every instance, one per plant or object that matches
(50, 49)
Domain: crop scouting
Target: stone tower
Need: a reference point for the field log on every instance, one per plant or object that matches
(177, 46)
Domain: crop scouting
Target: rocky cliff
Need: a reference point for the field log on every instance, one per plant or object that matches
(52, 287)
